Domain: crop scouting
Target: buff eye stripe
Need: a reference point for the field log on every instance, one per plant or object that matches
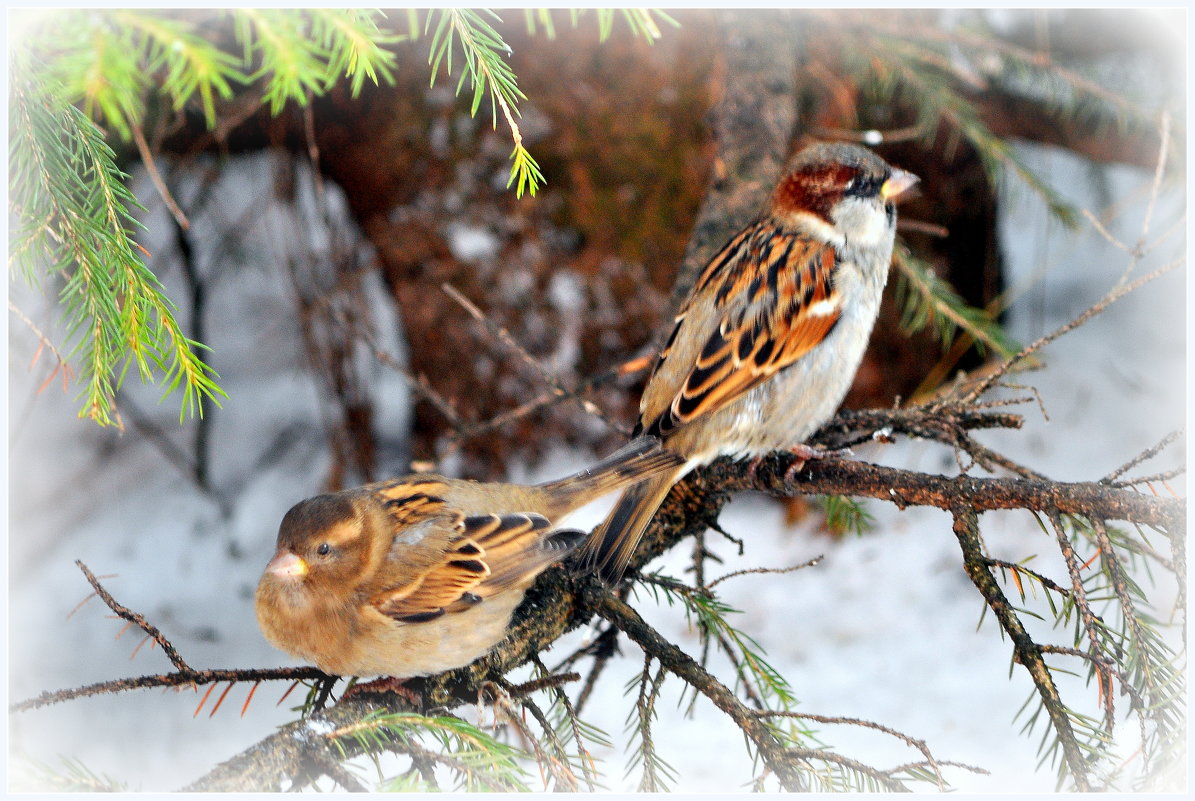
(417, 485)
(341, 534)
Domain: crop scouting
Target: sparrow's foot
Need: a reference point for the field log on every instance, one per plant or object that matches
(806, 452)
(803, 453)
(752, 467)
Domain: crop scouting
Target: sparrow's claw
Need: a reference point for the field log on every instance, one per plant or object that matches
(806, 452)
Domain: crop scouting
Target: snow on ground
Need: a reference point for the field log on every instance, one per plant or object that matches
(884, 628)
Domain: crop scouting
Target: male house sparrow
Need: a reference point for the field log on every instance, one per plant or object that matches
(768, 341)
(421, 574)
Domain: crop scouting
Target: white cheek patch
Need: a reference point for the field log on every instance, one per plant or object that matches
(867, 222)
(876, 228)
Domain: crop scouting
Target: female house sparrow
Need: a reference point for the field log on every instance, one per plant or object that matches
(421, 574)
(768, 341)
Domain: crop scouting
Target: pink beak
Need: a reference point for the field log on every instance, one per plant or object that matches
(286, 564)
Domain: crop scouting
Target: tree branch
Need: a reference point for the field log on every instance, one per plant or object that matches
(909, 488)
(1027, 652)
(683, 666)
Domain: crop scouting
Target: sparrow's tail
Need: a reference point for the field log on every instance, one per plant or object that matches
(641, 459)
(612, 545)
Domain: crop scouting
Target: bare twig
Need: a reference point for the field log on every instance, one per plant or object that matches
(151, 167)
(133, 617)
(1115, 294)
(1104, 232)
(180, 680)
(551, 398)
(871, 137)
(1144, 456)
(885, 778)
(417, 383)
(1015, 569)
(1163, 154)
(546, 375)
(766, 570)
(1163, 477)
(548, 681)
(498, 695)
(308, 113)
(912, 742)
(183, 677)
(909, 488)
(44, 342)
(604, 648)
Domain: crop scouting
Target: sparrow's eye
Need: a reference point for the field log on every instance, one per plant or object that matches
(324, 549)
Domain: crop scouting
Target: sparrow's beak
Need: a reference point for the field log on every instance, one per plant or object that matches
(898, 183)
(286, 564)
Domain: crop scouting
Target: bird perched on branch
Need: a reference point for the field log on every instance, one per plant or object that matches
(767, 343)
(421, 574)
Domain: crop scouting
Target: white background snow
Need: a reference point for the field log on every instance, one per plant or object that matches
(884, 628)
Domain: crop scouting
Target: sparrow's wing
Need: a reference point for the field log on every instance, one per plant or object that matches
(762, 303)
(486, 555)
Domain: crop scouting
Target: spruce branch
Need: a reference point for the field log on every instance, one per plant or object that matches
(909, 488)
(557, 763)
(74, 216)
(769, 749)
(928, 300)
(488, 72)
(73, 777)
(1026, 651)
